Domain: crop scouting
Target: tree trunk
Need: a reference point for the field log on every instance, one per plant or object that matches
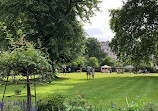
(28, 93)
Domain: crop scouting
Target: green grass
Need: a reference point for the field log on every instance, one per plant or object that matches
(103, 89)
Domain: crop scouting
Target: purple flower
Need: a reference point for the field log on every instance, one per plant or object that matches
(113, 106)
(38, 100)
(2, 105)
(138, 96)
(19, 102)
(36, 108)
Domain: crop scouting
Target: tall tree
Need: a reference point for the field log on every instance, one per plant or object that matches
(93, 49)
(136, 30)
(93, 62)
(108, 61)
(54, 22)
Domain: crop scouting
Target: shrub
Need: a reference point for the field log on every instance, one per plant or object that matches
(17, 106)
(127, 69)
(151, 69)
(17, 92)
(98, 69)
(11, 107)
(141, 107)
(78, 104)
(156, 70)
(150, 107)
(50, 102)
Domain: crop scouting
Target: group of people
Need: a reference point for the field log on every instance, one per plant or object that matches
(89, 72)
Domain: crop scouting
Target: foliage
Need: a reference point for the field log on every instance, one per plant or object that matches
(98, 69)
(93, 49)
(150, 107)
(146, 66)
(142, 106)
(50, 102)
(80, 61)
(127, 69)
(108, 61)
(17, 106)
(93, 62)
(120, 64)
(17, 91)
(155, 61)
(10, 107)
(136, 33)
(54, 22)
(78, 103)
(22, 56)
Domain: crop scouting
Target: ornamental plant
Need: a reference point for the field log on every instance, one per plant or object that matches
(22, 55)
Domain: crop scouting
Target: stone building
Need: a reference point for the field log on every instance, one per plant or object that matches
(106, 48)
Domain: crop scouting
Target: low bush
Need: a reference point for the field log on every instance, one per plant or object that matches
(84, 70)
(151, 69)
(17, 106)
(10, 107)
(78, 103)
(53, 102)
(17, 92)
(127, 69)
(98, 69)
(144, 106)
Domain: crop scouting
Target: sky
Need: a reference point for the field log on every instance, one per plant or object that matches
(99, 27)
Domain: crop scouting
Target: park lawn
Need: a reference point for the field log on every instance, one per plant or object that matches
(105, 89)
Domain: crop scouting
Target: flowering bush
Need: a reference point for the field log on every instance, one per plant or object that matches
(22, 56)
(10, 107)
(17, 106)
(17, 91)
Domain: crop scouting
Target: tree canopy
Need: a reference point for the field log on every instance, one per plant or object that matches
(108, 61)
(54, 22)
(136, 30)
(93, 62)
(22, 56)
(93, 49)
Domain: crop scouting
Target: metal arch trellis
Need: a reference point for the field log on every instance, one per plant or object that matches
(28, 88)
(27, 83)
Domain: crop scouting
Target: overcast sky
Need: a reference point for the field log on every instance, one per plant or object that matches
(99, 27)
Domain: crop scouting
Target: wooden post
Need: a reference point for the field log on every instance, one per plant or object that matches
(35, 90)
(28, 93)
(5, 89)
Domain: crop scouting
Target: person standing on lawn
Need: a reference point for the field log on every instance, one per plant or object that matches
(64, 69)
(93, 72)
(88, 71)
